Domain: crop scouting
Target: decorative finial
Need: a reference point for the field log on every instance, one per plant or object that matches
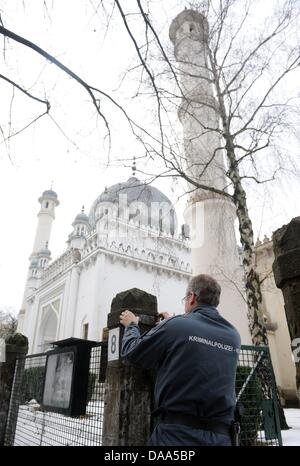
(46, 245)
(82, 209)
(51, 186)
(105, 190)
(133, 168)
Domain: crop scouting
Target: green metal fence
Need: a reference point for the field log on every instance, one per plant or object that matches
(256, 397)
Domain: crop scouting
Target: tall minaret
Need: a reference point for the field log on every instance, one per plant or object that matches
(210, 216)
(46, 215)
(40, 255)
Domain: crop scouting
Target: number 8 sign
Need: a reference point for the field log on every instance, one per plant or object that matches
(113, 344)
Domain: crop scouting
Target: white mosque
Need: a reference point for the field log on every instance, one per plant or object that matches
(128, 240)
(130, 237)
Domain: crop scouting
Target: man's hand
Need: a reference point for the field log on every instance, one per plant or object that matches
(127, 317)
(163, 316)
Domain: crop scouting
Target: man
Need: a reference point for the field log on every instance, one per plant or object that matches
(195, 356)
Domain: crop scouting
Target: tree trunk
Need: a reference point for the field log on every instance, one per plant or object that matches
(252, 281)
(253, 288)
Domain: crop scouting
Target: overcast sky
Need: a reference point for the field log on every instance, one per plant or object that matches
(71, 150)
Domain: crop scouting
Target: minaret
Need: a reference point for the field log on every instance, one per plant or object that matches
(40, 256)
(210, 216)
(46, 215)
(77, 239)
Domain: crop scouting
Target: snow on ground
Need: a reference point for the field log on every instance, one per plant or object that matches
(291, 437)
(38, 428)
(35, 427)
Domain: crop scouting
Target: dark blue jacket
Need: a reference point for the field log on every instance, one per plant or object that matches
(195, 356)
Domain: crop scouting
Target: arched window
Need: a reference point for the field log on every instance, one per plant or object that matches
(47, 205)
(48, 326)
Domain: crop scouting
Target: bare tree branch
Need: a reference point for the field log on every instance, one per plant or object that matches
(27, 43)
(46, 102)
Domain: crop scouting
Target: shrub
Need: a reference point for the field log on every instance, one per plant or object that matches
(32, 384)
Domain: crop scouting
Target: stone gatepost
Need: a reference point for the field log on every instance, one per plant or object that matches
(128, 398)
(286, 267)
(15, 346)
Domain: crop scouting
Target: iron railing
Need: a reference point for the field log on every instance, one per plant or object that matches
(256, 397)
(29, 424)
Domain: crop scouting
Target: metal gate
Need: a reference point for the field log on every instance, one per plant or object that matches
(257, 397)
(29, 424)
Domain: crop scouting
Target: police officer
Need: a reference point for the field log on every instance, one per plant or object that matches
(195, 356)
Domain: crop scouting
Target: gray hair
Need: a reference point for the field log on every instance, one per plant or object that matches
(206, 289)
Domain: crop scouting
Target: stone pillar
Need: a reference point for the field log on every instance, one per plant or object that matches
(286, 267)
(128, 398)
(16, 346)
(69, 324)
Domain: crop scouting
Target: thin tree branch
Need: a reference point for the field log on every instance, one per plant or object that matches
(27, 43)
(46, 102)
(152, 79)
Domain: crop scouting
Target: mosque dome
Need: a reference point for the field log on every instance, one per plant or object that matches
(50, 193)
(141, 199)
(44, 252)
(81, 218)
(81, 227)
